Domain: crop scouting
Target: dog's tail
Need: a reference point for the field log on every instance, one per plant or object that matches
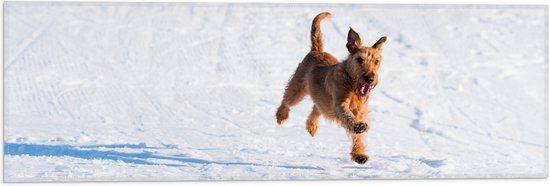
(316, 39)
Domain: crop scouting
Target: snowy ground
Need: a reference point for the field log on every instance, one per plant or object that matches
(188, 92)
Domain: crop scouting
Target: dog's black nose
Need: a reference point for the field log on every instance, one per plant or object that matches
(368, 79)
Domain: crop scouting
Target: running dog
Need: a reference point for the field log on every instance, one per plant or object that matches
(340, 91)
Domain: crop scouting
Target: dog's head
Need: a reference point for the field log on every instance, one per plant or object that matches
(363, 62)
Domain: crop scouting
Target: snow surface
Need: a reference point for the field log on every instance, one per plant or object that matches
(118, 92)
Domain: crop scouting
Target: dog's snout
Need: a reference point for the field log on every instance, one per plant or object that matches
(368, 79)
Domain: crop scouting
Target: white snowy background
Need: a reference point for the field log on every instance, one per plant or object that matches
(115, 92)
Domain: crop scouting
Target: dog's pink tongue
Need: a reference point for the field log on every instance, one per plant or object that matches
(364, 89)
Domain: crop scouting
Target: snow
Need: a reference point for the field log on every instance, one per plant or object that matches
(143, 92)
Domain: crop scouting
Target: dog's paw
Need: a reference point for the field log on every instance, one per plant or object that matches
(361, 159)
(360, 127)
(282, 114)
(312, 128)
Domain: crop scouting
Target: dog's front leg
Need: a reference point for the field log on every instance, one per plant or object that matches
(358, 149)
(349, 120)
(355, 127)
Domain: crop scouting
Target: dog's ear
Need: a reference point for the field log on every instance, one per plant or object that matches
(379, 43)
(354, 41)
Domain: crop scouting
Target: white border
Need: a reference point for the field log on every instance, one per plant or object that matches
(494, 2)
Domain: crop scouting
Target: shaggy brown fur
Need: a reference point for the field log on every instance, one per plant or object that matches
(340, 91)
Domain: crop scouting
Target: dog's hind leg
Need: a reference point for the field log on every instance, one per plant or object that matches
(312, 121)
(358, 149)
(295, 91)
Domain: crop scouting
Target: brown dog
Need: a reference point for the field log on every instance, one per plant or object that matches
(340, 91)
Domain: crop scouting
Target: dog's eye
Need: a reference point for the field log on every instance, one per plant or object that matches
(359, 60)
(376, 62)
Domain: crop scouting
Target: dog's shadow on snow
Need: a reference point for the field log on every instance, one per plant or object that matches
(87, 152)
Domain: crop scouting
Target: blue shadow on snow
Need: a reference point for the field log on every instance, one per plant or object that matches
(135, 158)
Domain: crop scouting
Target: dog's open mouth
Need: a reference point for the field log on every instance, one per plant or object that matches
(364, 89)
